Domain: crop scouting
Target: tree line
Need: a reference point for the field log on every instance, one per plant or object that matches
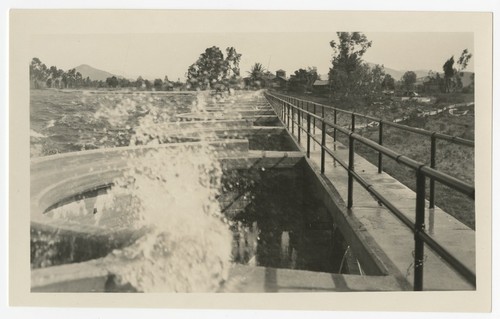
(42, 76)
(350, 76)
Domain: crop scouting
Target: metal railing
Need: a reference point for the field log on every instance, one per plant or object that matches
(288, 111)
(434, 136)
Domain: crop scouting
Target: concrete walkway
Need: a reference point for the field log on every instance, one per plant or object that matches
(393, 238)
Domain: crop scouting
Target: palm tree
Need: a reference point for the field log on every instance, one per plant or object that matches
(256, 74)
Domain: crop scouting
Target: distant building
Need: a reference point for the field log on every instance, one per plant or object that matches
(281, 73)
(168, 86)
(321, 86)
(279, 81)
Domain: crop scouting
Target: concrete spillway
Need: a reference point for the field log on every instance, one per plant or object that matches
(382, 246)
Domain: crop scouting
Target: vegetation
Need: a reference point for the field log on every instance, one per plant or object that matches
(347, 67)
(53, 77)
(452, 80)
(303, 79)
(353, 81)
(212, 70)
(41, 76)
(257, 76)
(388, 83)
(455, 160)
(409, 79)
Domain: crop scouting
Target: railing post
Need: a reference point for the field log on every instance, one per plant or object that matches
(288, 114)
(293, 120)
(302, 108)
(299, 127)
(380, 142)
(284, 111)
(418, 263)
(323, 145)
(308, 135)
(314, 120)
(285, 116)
(351, 168)
(353, 122)
(334, 131)
(433, 165)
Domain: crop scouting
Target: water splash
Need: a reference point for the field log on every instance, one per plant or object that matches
(187, 245)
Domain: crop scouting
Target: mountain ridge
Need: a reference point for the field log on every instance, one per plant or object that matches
(94, 73)
(398, 74)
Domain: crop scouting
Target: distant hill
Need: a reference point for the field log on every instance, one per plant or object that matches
(93, 73)
(398, 74)
(421, 74)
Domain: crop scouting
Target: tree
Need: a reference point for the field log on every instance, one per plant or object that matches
(212, 69)
(208, 70)
(256, 74)
(123, 83)
(409, 79)
(71, 78)
(388, 83)
(233, 62)
(346, 62)
(139, 82)
(112, 81)
(449, 73)
(58, 82)
(464, 59)
(167, 84)
(462, 62)
(452, 75)
(433, 83)
(158, 84)
(302, 79)
(374, 79)
(53, 76)
(38, 73)
(78, 79)
(64, 80)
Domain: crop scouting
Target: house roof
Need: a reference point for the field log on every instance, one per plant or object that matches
(268, 76)
(320, 82)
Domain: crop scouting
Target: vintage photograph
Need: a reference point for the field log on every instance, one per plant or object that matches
(249, 161)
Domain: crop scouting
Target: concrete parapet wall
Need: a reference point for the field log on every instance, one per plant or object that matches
(92, 277)
(372, 259)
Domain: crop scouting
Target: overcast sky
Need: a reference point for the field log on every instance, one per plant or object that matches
(157, 55)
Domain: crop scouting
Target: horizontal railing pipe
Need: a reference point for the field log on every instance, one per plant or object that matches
(463, 270)
(449, 138)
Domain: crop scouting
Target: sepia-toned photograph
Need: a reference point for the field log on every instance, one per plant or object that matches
(330, 160)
